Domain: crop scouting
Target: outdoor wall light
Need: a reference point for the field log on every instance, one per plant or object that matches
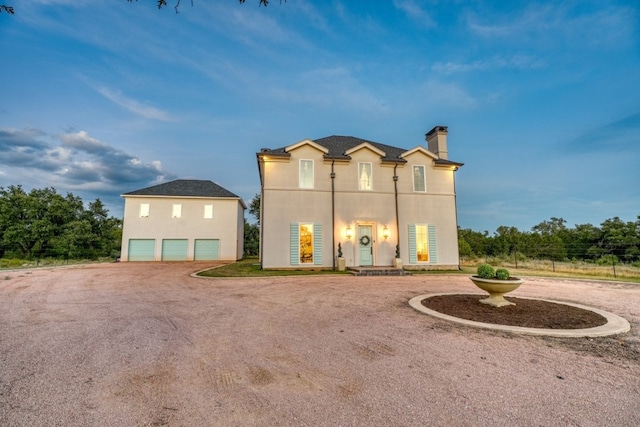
(348, 232)
(385, 232)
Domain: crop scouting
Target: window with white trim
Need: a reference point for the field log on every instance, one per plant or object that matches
(177, 211)
(144, 210)
(208, 211)
(419, 180)
(306, 173)
(364, 176)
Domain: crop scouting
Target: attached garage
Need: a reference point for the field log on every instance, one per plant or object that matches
(142, 249)
(174, 249)
(207, 249)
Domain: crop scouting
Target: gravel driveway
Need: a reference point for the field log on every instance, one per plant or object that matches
(133, 344)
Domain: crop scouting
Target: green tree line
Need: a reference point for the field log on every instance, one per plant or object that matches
(613, 241)
(252, 231)
(43, 223)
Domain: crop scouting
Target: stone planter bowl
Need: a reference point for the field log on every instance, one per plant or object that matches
(496, 289)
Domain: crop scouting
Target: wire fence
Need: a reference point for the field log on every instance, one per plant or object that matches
(604, 267)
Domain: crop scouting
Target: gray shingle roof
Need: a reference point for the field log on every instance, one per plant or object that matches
(185, 188)
(338, 145)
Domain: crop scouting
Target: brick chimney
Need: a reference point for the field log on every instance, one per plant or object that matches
(437, 141)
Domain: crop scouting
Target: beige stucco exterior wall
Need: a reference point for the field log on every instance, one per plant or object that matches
(227, 223)
(284, 203)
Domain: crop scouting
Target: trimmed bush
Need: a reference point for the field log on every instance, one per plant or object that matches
(502, 274)
(486, 271)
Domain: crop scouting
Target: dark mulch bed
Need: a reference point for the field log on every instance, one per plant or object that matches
(526, 313)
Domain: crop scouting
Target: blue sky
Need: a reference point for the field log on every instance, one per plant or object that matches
(542, 99)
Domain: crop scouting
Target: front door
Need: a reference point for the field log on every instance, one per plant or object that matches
(365, 245)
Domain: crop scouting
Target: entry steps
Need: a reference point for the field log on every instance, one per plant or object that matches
(378, 271)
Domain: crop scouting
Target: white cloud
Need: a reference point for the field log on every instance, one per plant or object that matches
(80, 162)
(448, 94)
(334, 88)
(82, 140)
(415, 12)
(493, 63)
(592, 25)
(311, 14)
(134, 106)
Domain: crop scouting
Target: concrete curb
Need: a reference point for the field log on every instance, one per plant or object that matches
(615, 324)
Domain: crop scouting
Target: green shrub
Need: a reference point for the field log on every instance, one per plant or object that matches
(608, 259)
(486, 271)
(502, 274)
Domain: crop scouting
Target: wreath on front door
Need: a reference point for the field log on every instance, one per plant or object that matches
(365, 240)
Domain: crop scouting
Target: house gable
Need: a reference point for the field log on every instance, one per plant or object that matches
(367, 146)
(308, 142)
(418, 149)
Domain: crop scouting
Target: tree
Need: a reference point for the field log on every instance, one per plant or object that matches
(29, 222)
(254, 208)
(478, 242)
(45, 223)
(553, 234)
(252, 231)
(464, 248)
(582, 242)
(251, 239)
(506, 240)
(620, 238)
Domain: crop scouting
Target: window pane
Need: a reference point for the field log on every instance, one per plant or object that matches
(144, 210)
(306, 173)
(177, 211)
(422, 243)
(418, 179)
(364, 176)
(306, 243)
(208, 211)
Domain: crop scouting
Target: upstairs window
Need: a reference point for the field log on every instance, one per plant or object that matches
(208, 211)
(306, 173)
(364, 176)
(419, 182)
(177, 211)
(144, 210)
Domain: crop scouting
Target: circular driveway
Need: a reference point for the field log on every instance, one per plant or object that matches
(146, 344)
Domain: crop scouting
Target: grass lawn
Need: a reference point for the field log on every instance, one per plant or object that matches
(250, 267)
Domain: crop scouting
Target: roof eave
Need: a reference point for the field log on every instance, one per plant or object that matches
(447, 164)
(264, 154)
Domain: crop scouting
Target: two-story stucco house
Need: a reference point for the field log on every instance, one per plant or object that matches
(370, 198)
(183, 220)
